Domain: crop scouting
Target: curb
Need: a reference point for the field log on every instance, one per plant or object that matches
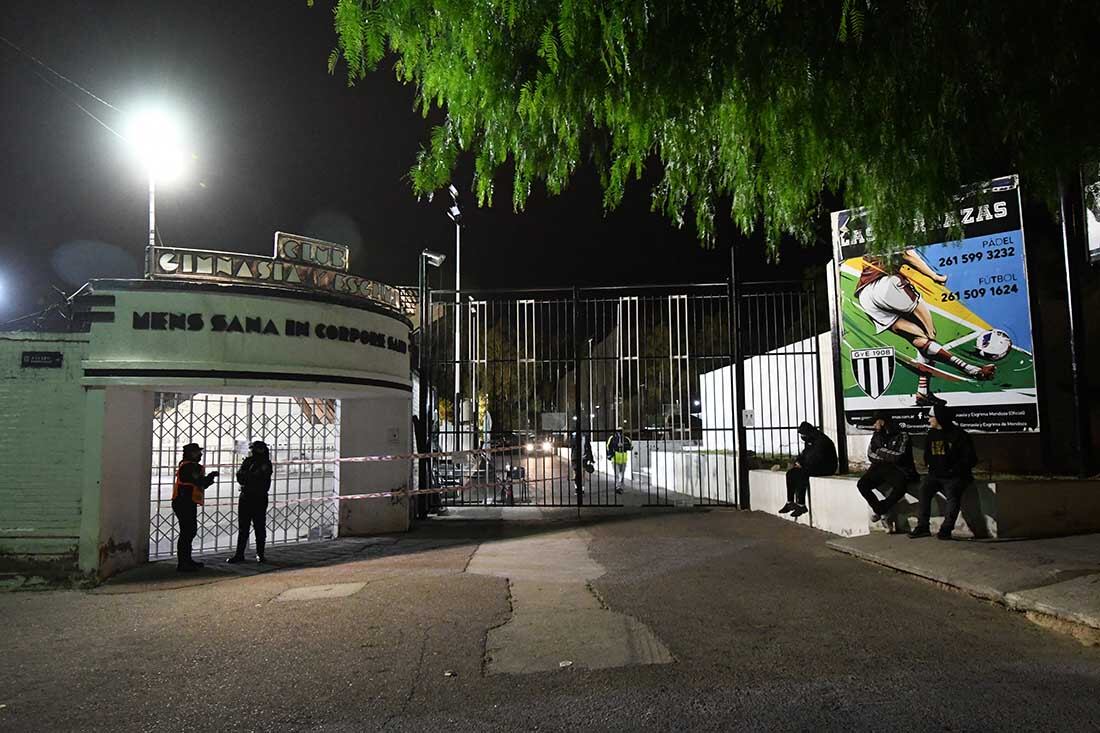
(1017, 600)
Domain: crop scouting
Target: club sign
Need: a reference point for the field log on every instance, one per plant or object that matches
(299, 263)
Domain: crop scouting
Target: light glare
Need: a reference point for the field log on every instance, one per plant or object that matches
(156, 138)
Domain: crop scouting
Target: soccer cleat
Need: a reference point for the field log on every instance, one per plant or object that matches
(930, 400)
(985, 373)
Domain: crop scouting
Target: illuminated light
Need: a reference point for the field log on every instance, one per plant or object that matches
(547, 446)
(530, 447)
(156, 138)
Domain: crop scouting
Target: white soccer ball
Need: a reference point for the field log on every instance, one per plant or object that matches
(993, 344)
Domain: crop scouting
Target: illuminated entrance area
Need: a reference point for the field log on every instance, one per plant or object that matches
(294, 428)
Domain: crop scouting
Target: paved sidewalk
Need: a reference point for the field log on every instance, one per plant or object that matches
(1058, 577)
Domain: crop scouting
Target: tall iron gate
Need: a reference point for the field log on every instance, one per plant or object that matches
(294, 428)
(535, 366)
(781, 338)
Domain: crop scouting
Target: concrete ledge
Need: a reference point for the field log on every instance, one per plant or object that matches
(991, 509)
(1055, 577)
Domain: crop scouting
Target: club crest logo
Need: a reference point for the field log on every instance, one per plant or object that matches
(873, 370)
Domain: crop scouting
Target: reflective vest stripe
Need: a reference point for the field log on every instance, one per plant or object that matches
(196, 492)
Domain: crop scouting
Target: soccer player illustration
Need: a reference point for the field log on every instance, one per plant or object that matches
(892, 303)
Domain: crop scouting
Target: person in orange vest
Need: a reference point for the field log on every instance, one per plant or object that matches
(187, 496)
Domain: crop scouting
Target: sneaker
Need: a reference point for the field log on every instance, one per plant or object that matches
(618, 491)
(918, 532)
(186, 568)
(886, 524)
(930, 400)
(876, 517)
(798, 511)
(235, 559)
(789, 506)
(943, 535)
(260, 560)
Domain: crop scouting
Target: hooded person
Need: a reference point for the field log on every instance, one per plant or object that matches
(950, 457)
(254, 477)
(892, 468)
(818, 458)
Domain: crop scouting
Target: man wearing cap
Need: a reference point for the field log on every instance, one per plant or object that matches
(187, 497)
(254, 476)
(949, 454)
(818, 458)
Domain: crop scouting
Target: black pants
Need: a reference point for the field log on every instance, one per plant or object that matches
(952, 489)
(798, 483)
(187, 514)
(889, 479)
(251, 513)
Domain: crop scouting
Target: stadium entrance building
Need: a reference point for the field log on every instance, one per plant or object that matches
(219, 349)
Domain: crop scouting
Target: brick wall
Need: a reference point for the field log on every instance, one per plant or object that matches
(42, 415)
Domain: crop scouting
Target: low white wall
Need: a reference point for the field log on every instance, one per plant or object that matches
(374, 426)
(836, 506)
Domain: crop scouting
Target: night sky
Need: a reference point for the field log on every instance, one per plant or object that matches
(281, 145)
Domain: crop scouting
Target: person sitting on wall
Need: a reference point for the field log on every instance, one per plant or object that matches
(187, 497)
(818, 458)
(949, 454)
(892, 468)
(254, 476)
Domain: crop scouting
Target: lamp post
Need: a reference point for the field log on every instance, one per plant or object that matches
(427, 257)
(455, 214)
(156, 139)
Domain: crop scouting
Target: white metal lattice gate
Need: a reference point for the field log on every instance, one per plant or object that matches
(295, 428)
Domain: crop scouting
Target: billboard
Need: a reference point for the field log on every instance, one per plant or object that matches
(941, 321)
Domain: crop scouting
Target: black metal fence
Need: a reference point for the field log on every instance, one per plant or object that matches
(523, 372)
(780, 336)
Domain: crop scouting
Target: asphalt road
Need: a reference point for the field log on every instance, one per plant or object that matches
(767, 628)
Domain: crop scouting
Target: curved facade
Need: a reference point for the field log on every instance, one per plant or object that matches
(76, 494)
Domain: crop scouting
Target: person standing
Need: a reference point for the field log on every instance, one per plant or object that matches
(892, 467)
(618, 452)
(818, 458)
(187, 496)
(254, 476)
(950, 457)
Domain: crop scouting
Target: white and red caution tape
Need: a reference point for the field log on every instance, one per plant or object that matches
(379, 458)
(398, 492)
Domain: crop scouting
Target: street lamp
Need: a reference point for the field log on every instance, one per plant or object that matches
(427, 257)
(454, 211)
(156, 138)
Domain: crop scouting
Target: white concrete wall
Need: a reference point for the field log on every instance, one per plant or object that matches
(123, 521)
(374, 426)
(41, 454)
(836, 506)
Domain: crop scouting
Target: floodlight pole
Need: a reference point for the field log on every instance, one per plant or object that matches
(152, 211)
(458, 317)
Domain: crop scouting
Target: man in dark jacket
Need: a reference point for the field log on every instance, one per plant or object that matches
(818, 458)
(187, 497)
(892, 467)
(254, 476)
(949, 454)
